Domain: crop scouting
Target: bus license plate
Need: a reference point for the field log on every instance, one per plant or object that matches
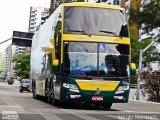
(97, 98)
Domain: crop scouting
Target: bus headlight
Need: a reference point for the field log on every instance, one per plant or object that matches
(123, 88)
(71, 87)
(120, 90)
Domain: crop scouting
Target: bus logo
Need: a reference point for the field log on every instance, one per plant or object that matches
(97, 91)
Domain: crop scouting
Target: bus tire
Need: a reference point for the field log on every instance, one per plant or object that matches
(47, 91)
(54, 101)
(20, 90)
(107, 106)
(34, 90)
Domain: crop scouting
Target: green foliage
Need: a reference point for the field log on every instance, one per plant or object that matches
(1, 71)
(150, 55)
(134, 16)
(22, 65)
(153, 87)
(10, 80)
(135, 47)
(150, 10)
(134, 80)
(150, 16)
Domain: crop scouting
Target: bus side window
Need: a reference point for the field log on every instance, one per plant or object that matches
(124, 31)
(66, 58)
(57, 37)
(49, 63)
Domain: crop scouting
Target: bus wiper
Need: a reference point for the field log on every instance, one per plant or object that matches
(80, 31)
(115, 77)
(122, 78)
(113, 33)
(81, 76)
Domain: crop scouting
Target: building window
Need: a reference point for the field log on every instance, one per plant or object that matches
(116, 2)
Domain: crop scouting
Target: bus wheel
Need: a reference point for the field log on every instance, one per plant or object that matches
(34, 92)
(107, 106)
(49, 97)
(53, 100)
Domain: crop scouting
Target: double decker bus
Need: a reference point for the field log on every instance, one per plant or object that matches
(82, 54)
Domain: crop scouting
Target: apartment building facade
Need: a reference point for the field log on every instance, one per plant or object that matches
(37, 17)
(2, 60)
(8, 60)
(111, 2)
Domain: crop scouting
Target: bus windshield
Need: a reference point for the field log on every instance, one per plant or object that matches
(96, 59)
(95, 21)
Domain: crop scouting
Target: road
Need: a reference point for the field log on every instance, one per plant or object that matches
(22, 106)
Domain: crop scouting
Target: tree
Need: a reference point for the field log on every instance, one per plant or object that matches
(150, 55)
(150, 10)
(134, 17)
(22, 65)
(1, 71)
(152, 86)
(134, 29)
(136, 20)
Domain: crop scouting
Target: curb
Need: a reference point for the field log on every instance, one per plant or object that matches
(145, 101)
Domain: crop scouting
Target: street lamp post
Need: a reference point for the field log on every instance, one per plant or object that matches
(140, 64)
(5, 40)
(139, 74)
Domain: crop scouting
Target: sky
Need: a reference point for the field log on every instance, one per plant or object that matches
(14, 16)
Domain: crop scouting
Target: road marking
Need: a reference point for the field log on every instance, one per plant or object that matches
(82, 116)
(50, 116)
(149, 102)
(140, 112)
(8, 106)
(113, 116)
(10, 115)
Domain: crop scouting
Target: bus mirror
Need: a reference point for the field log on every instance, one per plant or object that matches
(55, 65)
(133, 69)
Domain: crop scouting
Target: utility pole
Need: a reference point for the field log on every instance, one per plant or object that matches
(157, 39)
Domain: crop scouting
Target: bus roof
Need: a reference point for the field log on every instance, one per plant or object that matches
(87, 4)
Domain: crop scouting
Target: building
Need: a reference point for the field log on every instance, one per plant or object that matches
(20, 49)
(2, 60)
(37, 17)
(8, 60)
(111, 2)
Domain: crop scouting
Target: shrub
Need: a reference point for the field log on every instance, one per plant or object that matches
(153, 87)
(10, 80)
(134, 79)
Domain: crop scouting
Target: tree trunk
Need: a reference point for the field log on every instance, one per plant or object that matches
(123, 3)
(135, 7)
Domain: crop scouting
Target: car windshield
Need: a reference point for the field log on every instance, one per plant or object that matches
(25, 81)
(96, 59)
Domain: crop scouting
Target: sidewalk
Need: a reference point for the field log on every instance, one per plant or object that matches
(142, 96)
(16, 83)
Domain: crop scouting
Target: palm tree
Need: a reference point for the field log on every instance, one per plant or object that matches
(134, 16)
(123, 3)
